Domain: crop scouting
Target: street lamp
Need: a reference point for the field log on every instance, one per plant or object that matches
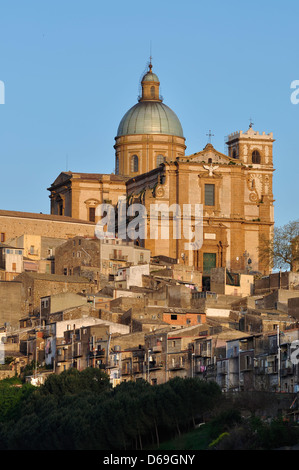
(148, 361)
(36, 349)
(192, 363)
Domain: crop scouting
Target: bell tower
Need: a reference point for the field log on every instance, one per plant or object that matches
(251, 148)
(254, 151)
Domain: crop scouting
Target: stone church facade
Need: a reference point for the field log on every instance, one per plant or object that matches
(151, 168)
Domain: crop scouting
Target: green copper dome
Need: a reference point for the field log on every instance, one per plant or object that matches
(150, 117)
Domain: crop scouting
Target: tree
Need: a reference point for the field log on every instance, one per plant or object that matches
(281, 251)
(72, 381)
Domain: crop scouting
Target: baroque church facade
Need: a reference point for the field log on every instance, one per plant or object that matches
(152, 169)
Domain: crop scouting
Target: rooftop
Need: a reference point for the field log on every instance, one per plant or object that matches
(41, 216)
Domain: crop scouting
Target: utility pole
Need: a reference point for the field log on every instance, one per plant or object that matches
(278, 356)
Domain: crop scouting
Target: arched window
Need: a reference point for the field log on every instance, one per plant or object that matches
(153, 92)
(160, 159)
(255, 157)
(117, 166)
(134, 164)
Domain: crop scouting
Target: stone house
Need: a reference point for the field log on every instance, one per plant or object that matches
(15, 224)
(80, 342)
(106, 255)
(169, 352)
(224, 282)
(11, 262)
(12, 303)
(280, 280)
(38, 285)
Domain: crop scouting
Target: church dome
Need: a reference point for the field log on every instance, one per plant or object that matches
(150, 77)
(150, 115)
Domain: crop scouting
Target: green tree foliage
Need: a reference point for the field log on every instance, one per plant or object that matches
(72, 382)
(12, 393)
(80, 411)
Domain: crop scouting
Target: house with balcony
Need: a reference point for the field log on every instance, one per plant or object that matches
(169, 352)
(133, 365)
(79, 342)
(267, 362)
(235, 371)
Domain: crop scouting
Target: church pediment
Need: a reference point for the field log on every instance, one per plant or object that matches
(64, 176)
(209, 154)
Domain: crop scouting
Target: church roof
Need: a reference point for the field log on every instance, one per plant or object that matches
(41, 216)
(65, 176)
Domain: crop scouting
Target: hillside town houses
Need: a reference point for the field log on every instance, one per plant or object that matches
(109, 304)
(150, 308)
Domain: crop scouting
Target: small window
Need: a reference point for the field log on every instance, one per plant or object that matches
(134, 164)
(117, 166)
(256, 158)
(92, 214)
(174, 317)
(160, 159)
(209, 194)
(153, 92)
(2, 237)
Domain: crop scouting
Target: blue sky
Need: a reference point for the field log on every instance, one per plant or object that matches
(71, 70)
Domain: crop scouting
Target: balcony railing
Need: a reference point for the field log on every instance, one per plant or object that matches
(156, 365)
(117, 257)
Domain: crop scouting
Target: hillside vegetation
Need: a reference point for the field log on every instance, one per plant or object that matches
(80, 411)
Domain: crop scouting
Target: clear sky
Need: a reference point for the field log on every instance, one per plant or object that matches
(71, 69)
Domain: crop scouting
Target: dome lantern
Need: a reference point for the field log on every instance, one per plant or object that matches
(150, 86)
